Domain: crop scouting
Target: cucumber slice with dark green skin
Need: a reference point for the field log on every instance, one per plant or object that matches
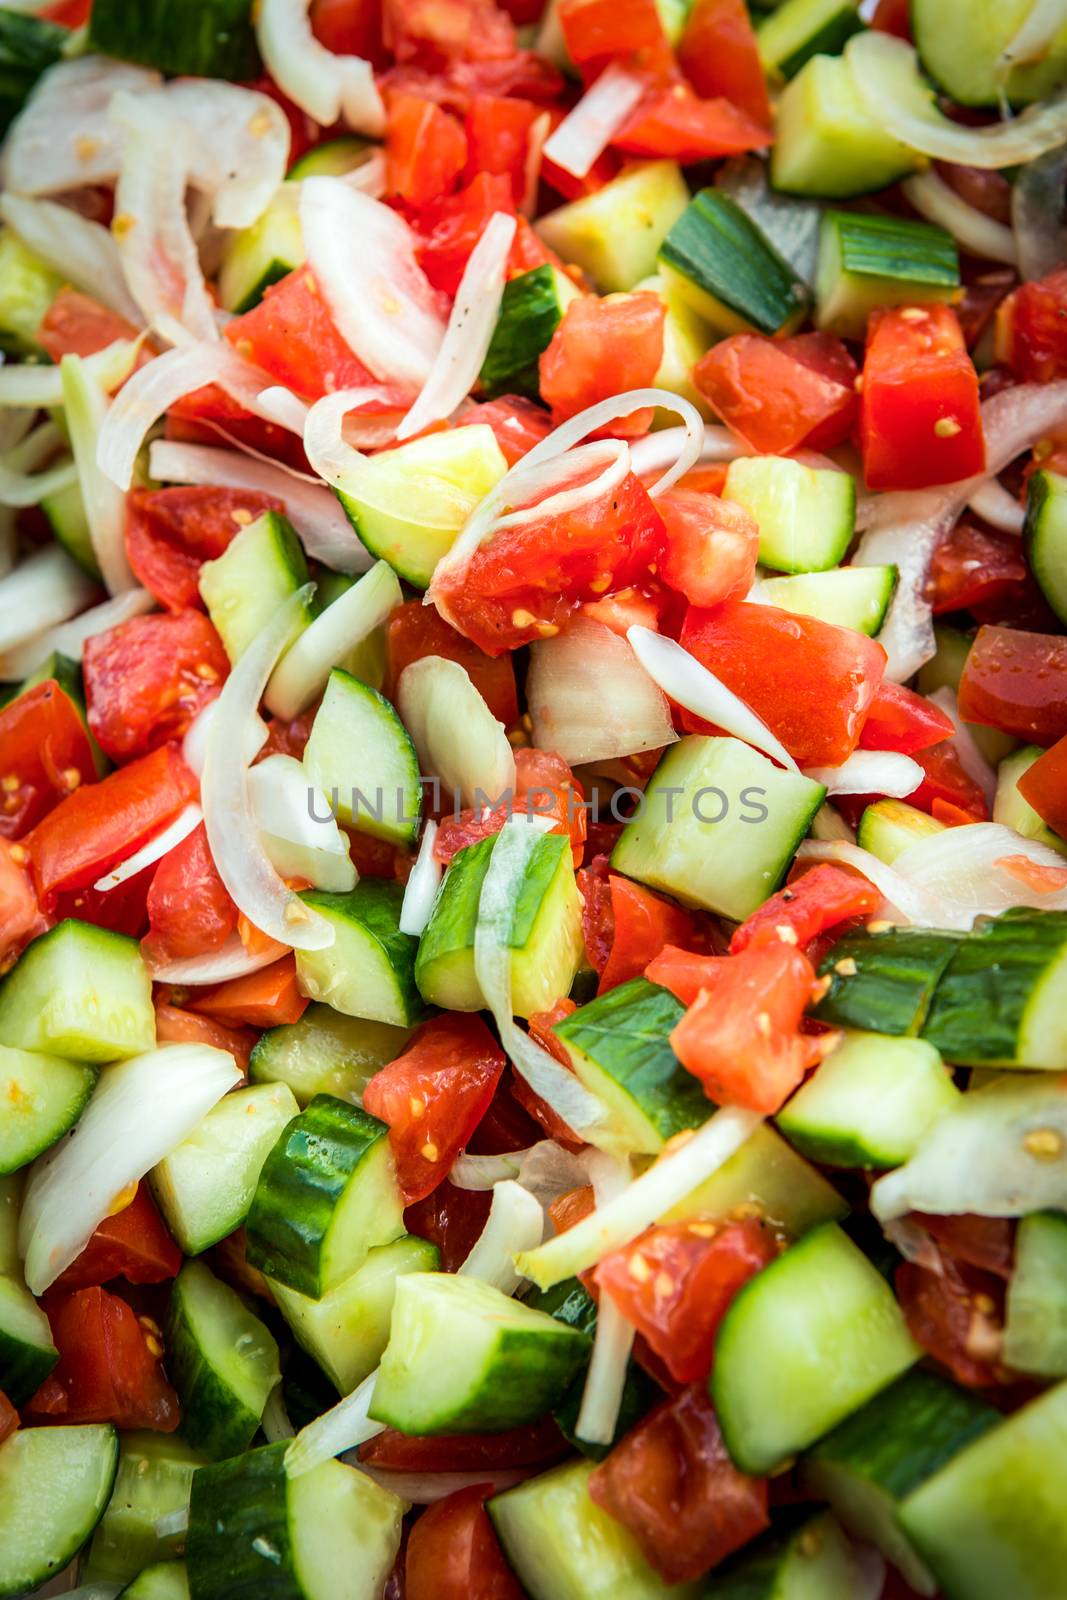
(806, 515)
(774, 1395)
(889, 827)
(152, 1485)
(255, 258)
(27, 1354)
(42, 1097)
(79, 991)
(54, 1485)
(810, 1560)
(718, 827)
(614, 234)
(828, 143)
(380, 794)
(333, 158)
(204, 1188)
(1012, 810)
(531, 310)
(222, 1361)
(562, 1546)
(1045, 537)
(28, 46)
(848, 597)
(868, 261)
(959, 42)
(463, 1358)
(765, 1178)
(326, 1053)
(801, 29)
(1035, 1324)
(257, 1534)
(369, 970)
(545, 938)
(167, 1580)
(65, 511)
(257, 572)
(867, 1466)
(993, 1521)
(214, 40)
(348, 1329)
(619, 1045)
(999, 1002)
(326, 1196)
(885, 982)
(722, 265)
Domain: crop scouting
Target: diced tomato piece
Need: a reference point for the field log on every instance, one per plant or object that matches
(920, 416)
(686, 973)
(425, 149)
(602, 348)
(780, 394)
(596, 31)
(901, 720)
(675, 1284)
(893, 16)
(947, 781)
(551, 1123)
(109, 1367)
(1044, 786)
(984, 1242)
(1032, 329)
(350, 28)
(290, 738)
(498, 138)
(123, 909)
(606, 166)
(643, 923)
(972, 567)
(175, 1026)
(572, 1208)
(9, 1418)
(544, 786)
(517, 424)
(189, 909)
(674, 123)
(450, 1218)
(434, 1096)
(101, 823)
(263, 999)
(957, 1315)
(210, 417)
(453, 1553)
(534, 1446)
(170, 533)
(1017, 682)
(20, 917)
(711, 546)
(505, 1126)
(822, 898)
(146, 679)
(45, 755)
(438, 32)
(133, 1244)
(629, 608)
(68, 13)
(415, 630)
(292, 336)
(671, 1482)
(719, 55)
(598, 917)
(451, 227)
(77, 325)
(811, 683)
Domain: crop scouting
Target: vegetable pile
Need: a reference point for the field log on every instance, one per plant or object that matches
(533, 799)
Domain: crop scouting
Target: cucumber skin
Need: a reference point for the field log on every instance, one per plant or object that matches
(23, 1367)
(375, 905)
(60, 1553)
(529, 315)
(714, 245)
(212, 39)
(980, 1002)
(238, 1542)
(28, 46)
(893, 988)
(214, 1420)
(1045, 505)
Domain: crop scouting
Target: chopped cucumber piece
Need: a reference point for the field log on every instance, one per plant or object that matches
(42, 1097)
(615, 233)
(790, 223)
(27, 1354)
(812, 1560)
(154, 1477)
(464, 1358)
(1045, 537)
(848, 597)
(27, 288)
(408, 503)
(999, 1002)
(801, 29)
(686, 337)
(214, 40)
(870, 1103)
(1035, 1325)
(54, 1485)
(333, 158)
(28, 46)
(960, 43)
(1012, 810)
(718, 827)
(545, 937)
(167, 1580)
(326, 1053)
(807, 1341)
(868, 261)
(221, 1360)
(255, 575)
(720, 263)
(885, 982)
(65, 511)
(326, 1196)
(765, 1178)
(79, 991)
(369, 970)
(348, 1329)
(531, 310)
(828, 142)
(204, 1188)
(889, 827)
(806, 515)
(256, 257)
(357, 735)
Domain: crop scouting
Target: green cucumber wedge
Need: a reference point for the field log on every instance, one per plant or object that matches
(800, 29)
(257, 572)
(27, 1354)
(377, 791)
(960, 43)
(167, 1580)
(79, 991)
(829, 143)
(222, 1361)
(885, 982)
(1012, 810)
(809, 1559)
(1035, 1323)
(765, 1178)
(615, 233)
(42, 1097)
(999, 1002)
(866, 262)
(1045, 537)
(721, 264)
(531, 310)
(152, 1486)
(216, 41)
(849, 597)
(54, 1485)
(888, 827)
(326, 1053)
(369, 970)
(806, 515)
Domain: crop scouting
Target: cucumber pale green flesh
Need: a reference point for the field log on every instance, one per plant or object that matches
(766, 1178)
(216, 41)
(255, 258)
(993, 1521)
(828, 143)
(876, 1457)
(888, 827)
(866, 262)
(885, 982)
(719, 826)
(1045, 532)
(720, 263)
(10, 1195)
(369, 971)
(1012, 810)
(999, 1001)
(849, 597)
(463, 1358)
(27, 1354)
(800, 29)
(807, 1341)
(326, 1053)
(79, 991)
(65, 511)
(614, 234)
(333, 158)
(959, 42)
(27, 289)
(257, 572)
(806, 516)
(327, 1194)
(54, 1485)
(810, 1560)
(1035, 1323)
(562, 1546)
(386, 802)
(222, 1361)
(167, 1580)
(619, 1045)
(154, 1476)
(42, 1097)
(255, 1534)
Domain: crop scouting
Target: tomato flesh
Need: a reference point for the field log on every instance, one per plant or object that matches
(711, 546)
(498, 138)
(517, 424)
(189, 909)
(1017, 681)
(595, 31)
(175, 1026)
(1044, 785)
(820, 899)
(719, 55)
(45, 755)
(532, 1446)
(642, 923)
(903, 721)
(1032, 329)
(780, 394)
(946, 782)
(450, 1218)
(292, 336)
(544, 786)
(972, 567)
(676, 125)
(20, 918)
(9, 1418)
(170, 533)
(920, 417)
(77, 325)
(109, 1367)
(146, 680)
(415, 630)
(425, 149)
(264, 999)
(957, 1315)
(602, 348)
(133, 1244)
(453, 1553)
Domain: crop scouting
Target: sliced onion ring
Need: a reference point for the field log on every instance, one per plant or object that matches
(185, 823)
(323, 84)
(976, 232)
(420, 891)
(589, 127)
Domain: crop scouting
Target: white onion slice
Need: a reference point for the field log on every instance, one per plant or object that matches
(183, 825)
(992, 502)
(589, 127)
(44, 589)
(63, 138)
(591, 699)
(674, 1174)
(976, 232)
(544, 1168)
(881, 772)
(1034, 37)
(688, 683)
(297, 831)
(964, 869)
(971, 758)
(230, 960)
(238, 141)
(684, 452)
(28, 385)
(325, 445)
(515, 1223)
(363, 256)
(69, 637)
(138, 1112)
(420, 891)
(243, 865)
(303, 672)
(282, 406)
(455, 733)
(886, 73)
(470, 329)
(426, 1488)
(907, 900)
(87, 410)
(21, 487)
(613, 1341)
(828, 824)
(324, 85)
(658, 450)
(275, 1419)
(84, 251)
(344, 1427)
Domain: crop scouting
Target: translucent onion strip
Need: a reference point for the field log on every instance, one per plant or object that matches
(1035, 36)
(420, 891)
(63, 137)
(44, 589)
(613, 1341)
(591, 699)
(29, 385)
(977, 233)
(69, 637)
(84, 251)
(302, 674)
(590, 126)
(230, 960)
(325, 85)
(912, 903)
(992, 502)
(87, 410)
(881, 772)
(183, 825)
(455, 733)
